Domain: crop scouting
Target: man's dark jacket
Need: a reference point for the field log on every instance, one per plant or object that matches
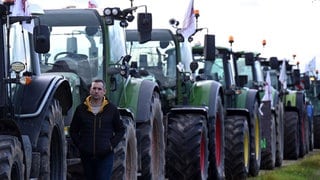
(96, 135)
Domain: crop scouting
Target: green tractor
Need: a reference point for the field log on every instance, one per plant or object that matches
(271, 109)
(296, 126)
(242, 123)
(193, 108)
(87, 44)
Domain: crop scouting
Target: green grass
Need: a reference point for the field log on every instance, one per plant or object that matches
(307, 168)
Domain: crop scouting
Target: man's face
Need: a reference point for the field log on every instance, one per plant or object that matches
(97, 91)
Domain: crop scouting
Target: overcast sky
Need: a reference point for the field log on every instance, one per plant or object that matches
(289, 26)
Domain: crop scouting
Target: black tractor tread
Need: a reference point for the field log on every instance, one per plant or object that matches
(279, 134)
(52, 145)
(311, 134)
(125, 165)
(291, 135)
(236, 128)
(152, 143)
(185, 133)
(316, 131)
(216, 165)
(255, 158)
(11, 158)
(268, 155)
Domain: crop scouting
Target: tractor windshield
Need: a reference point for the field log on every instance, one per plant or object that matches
(155, 59)
(72, 49)
(80, 44)
(254, 72)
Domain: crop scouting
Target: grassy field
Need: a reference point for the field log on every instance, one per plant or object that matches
(307, 168)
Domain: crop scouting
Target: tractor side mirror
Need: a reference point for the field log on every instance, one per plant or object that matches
(41, 38)
(209, 47)
(273, 62)
(249, 59)
(144, 27)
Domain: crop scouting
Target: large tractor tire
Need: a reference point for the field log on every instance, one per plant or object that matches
(237, 147)
(11, 158)
(311, 134)
(291, 135)
(52, 145)
(255, 140)
(303, 136)
(216, 143)
(268, 154)
(187, 147)
(151, 143)
(316, 131)
(279, 134)
(125, 166)
(307, 135)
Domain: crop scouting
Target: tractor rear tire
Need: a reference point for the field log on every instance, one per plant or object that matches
(125, 166)
(52, 145)
(237, 147)
(216, 143)
(255, 140)
(151, 143)
(187, 147)
(316, 131)
(311, 134)
(291, 135)
(11, 156)
(279, 134)
(269, 153)
(303, 135)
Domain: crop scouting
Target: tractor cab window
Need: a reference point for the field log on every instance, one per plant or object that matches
(217, 71)
(156, 60)
(74, 49)
(245, 70)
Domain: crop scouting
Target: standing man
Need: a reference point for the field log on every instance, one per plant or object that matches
(96, 129)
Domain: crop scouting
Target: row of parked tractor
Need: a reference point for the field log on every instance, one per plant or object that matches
(190, 112)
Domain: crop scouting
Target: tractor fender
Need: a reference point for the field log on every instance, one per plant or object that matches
(252, 96)
(189, 110)
(35, 100)
(35, 97)
(238, 112)
(137, 97)
(205, 93)
(146, 91)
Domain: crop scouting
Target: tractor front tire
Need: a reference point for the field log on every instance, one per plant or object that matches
(52, 145)
(11, 156)
(125, 166)
(187, 147)
(237, 147)
(151, 142)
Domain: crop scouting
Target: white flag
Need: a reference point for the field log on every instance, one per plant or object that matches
(92, 4)
(311, 66)
(283, 75)
(189, 22)
(21, 8)
(268, 89)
